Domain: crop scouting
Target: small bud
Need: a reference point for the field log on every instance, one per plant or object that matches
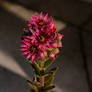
(54, 45)
(57, 50)
(59, 36)
(42, 55)
(51, 55)
(59, 44)
(45, 53)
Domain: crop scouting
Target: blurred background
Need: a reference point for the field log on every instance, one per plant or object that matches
(73, 19)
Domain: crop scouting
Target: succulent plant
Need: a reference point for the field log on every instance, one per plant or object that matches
(40, 42)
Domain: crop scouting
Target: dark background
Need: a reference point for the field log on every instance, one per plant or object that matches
(75, 58)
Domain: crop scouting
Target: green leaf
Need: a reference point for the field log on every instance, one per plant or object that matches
(36, 68)
(53, 70)
(37, 79)
(48, 80)
(42, 73)
(54, 51)
(47, 63)
(41, 64)
(45, 89)
(34, 87)
(49, 49)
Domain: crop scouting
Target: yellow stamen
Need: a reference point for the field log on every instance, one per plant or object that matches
(32, 49)
(41, 38)
(41, 23)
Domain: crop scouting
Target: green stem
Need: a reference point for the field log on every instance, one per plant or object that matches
(43, 81)
(41, 76)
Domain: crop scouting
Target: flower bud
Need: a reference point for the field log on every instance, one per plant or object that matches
(59, 36)
(57, 50)
(45, 53)
(54, 45)
(41, 55)
(60, 44)
(52, 56)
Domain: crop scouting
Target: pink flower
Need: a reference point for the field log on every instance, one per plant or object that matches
(43, 38)
(39, 35)
(42, 30)
(40, 21)
(31, 50)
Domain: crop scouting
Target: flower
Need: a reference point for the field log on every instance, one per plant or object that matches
(31, 50)
(41, 30)
(40, 22)
(43, 38)
(40, 38)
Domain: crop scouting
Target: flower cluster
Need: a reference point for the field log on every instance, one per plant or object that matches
(40, 38)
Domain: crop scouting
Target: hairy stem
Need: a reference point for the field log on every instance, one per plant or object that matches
(42, 81)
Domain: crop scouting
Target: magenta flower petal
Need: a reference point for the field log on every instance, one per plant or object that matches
(23, 45)
(36, 15)
(33, 57)
(32, 31)
(49, 20)
(32, 18)
(24, 53)
(41, 15)
(45, 18)
(28, 57)
(26, 43)
(30, 37)
(52, 25)
(23, 49)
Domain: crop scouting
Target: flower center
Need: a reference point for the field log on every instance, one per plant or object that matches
(41, 23)
(32, 49)
(41, 38)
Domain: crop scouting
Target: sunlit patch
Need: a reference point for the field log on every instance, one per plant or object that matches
(58, 89)
(25, 14)
(11, 64)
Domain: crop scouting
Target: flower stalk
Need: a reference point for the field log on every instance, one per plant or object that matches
(43, 79)
(40, 42)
